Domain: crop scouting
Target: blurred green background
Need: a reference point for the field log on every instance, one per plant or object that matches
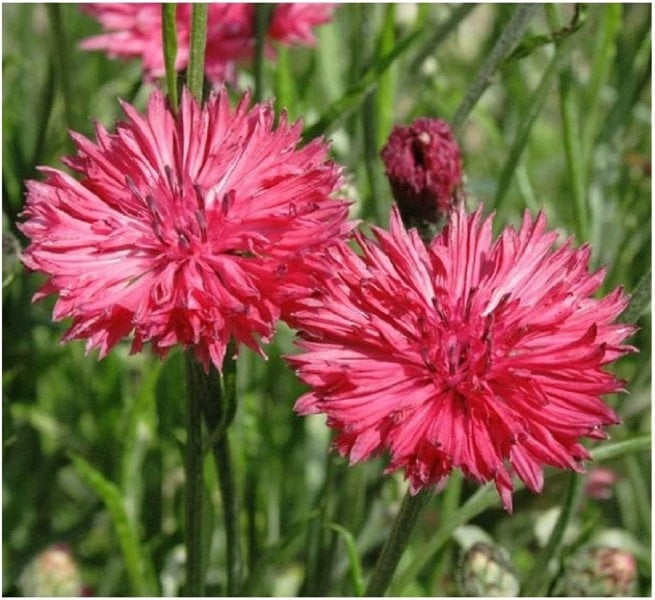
(92, 451)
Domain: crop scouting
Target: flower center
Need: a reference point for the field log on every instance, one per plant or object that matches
(460, 353)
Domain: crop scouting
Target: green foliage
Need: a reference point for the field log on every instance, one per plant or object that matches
(92, 450)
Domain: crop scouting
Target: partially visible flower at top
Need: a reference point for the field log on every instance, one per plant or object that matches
(423, 165)
(184, 227)
(599, 483)
(134, 31)
(481, 355)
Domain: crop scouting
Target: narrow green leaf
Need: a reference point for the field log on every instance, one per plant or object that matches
(640, 300)
(508, 39)
(608, 30)
(284, 85)
(46, 103)
(60, 50)
(618, 449)
(531, 43)
(641, 494)
(573, 153)
(353, 557)
(536, 103)
(139, 434)
(386, 91)
(137, 565)
(440, 34)
(353, 98)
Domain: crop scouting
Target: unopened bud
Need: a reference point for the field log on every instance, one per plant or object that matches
(486, 570)
(601, 571)
(600, 482)
(53, 572)
(423, 164)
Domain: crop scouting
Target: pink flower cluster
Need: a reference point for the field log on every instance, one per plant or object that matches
(135, 31)
(208, 224)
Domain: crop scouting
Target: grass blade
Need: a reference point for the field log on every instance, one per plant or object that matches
(353, 558)
(353, 98)
(138, 567)
(507, 41)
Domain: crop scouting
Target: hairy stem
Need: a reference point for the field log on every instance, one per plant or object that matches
(397, 542)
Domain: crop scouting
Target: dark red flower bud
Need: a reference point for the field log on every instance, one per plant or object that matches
(423, 164)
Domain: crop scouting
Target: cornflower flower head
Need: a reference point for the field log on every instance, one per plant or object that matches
(135, 31)
(183, 227)
(423, 164)
(485, 356)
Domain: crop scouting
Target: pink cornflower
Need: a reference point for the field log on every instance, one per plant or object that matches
(183, 227)
(134, 31)
(481, 355)
(423, 164)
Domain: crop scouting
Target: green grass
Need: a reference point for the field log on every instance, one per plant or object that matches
(93, 450)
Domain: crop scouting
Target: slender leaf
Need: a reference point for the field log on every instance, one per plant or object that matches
(136, 563)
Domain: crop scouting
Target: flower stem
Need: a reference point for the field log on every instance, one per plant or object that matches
(196, 70)
(60, 46)
(169, 35)
(541, 575)
(263, 16)
(218, 416)
(507, 41)
(398, 539)
(193, 489)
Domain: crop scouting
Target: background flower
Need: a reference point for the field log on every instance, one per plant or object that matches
(182, 227)
(134, 30)
(472, 354)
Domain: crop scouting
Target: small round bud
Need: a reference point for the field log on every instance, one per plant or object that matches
(600, 571)
(53, 572)
(423, 165)
(486, 570)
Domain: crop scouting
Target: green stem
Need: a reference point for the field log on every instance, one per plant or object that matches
(397, 542)
(60, 47)
(507, 41)
(450, 501)
(169, 34)
(193, 488)
(263, 16)
(540, 577)
(218, 416)
(485, 497)
(196, 72)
